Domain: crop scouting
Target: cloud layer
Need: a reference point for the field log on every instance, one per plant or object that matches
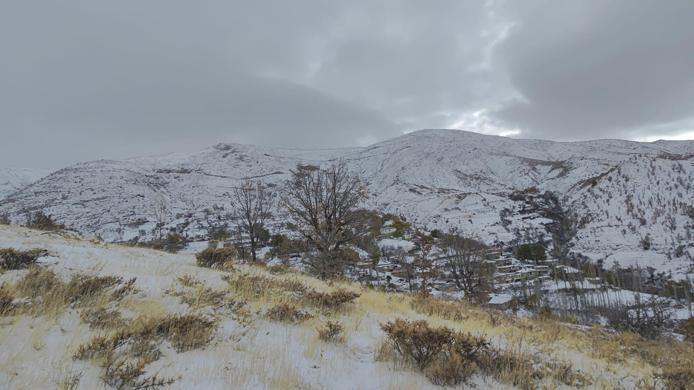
(90, 79)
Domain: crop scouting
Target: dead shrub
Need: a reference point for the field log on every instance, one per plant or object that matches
(446, 357)
(515, 368)
(49, 294)
(188, 281)
(41, 221)
(36, 282)
(204, 297)
(291, 285)
(416, 340)
(71, 381)
(330, 301)
(680, 378)
(287, 313)
(6, 301)
(220, 258)
(331, 331)
(450, 371)
(251, 286)
(124, 374)
(12, 259)
(447, 309)
(126, 289)
(102, 318)
(125, 354)
(686, 327)
(185, 332)
(82, 288)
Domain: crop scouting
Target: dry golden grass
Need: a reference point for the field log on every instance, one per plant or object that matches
(45, 293)
(125, 353)
(604, 356)
(331, 331)
(284, 312)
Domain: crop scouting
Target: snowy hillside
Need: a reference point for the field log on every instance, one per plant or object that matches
(90, 326)
(13, 179)
(611, 195)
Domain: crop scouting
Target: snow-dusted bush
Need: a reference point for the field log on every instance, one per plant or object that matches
(216, 257)
(330, 301)
(41, 221)
(287, 313)
(331, 331)
(15, 259)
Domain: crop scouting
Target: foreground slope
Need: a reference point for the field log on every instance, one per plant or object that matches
(611, 194)
(249, 350)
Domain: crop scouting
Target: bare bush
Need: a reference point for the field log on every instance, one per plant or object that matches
(417, 340)
(12, 259)
(647, 319)
(331, 331)
(287, 313)
(102, 318)
(125, 354)
(49, 294)
(172, 243)
(41, 221)
(216, 257)
(6, 301)
(681, 377)
(330, 301)
(445, 356)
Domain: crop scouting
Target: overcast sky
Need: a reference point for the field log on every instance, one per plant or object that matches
(87, 79)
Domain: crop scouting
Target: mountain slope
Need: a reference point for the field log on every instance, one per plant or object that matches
(610, 194)
(13, 179)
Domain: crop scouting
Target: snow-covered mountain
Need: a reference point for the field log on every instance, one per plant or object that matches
(13, 179)
(610, 198)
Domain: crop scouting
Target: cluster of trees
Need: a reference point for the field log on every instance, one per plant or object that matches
(322, 204)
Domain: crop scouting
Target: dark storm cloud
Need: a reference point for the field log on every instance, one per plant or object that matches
(588, 69)
(89, 79)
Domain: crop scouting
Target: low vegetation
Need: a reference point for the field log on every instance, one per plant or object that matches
(125, 354)
(42, 292)
(449, 357)
(220, 258)
(13, 259)
(172, 243)
(41, 221)
(287, 313)
(331, 331)
(333, 300)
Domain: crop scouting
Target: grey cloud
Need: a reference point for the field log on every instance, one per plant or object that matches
(89, 79)
(599, 68)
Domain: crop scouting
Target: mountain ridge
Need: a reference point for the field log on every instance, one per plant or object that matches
(435, 178)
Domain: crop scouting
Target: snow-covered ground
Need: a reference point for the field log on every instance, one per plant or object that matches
(37, 351)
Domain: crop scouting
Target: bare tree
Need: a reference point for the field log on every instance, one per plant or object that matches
(161, 213)
(464, 259)
(323, 204)
(252, 203)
